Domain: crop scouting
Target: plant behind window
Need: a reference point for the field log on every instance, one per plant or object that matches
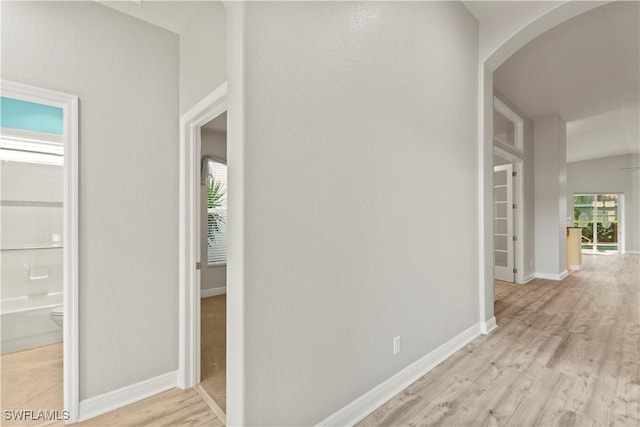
(216, 195)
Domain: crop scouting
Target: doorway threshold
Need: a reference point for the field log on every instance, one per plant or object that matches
(211, 403)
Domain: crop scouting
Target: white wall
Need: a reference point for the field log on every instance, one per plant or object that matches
(607, 175)
(125, 73)
(528, 185)
(203, 54)
(26, 225)
(356, 115)
(550, 149)
(213, 143)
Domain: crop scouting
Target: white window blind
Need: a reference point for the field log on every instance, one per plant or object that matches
(217, 214)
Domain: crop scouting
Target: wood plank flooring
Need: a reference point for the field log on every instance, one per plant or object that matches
(31, 380)
(174, 407)
(565, 354)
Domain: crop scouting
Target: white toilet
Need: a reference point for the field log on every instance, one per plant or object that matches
(57, 315)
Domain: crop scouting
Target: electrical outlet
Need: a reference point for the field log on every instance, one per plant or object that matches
(396, 344)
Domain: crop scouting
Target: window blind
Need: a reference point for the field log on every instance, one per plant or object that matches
(217, 214)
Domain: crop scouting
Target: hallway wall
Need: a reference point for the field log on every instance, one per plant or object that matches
(360, 159)
(125, 73)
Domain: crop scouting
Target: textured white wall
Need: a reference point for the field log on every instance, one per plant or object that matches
(213, 143)
(360, 186)
(203, 65)
(528, 186)
(125, 73)
(550, 152)
(608, 175)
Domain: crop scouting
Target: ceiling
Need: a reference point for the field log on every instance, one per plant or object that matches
(587, 70)
(486, 10)
(170, 15)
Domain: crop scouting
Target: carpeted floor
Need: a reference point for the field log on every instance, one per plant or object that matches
(213, 359)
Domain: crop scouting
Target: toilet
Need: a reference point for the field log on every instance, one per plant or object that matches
(57, 315)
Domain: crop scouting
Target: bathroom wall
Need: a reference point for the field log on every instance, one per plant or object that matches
(31, 256)
(31, 213)
(215, 144)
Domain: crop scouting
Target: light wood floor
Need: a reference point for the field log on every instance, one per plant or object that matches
(213, 355)
(31, 380)
(565, 354)
(174, 407)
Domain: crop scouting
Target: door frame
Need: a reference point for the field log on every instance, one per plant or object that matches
(207, 109)
(69, 105)
(518, 215)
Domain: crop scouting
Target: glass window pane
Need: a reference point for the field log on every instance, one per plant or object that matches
(504, 130)
(500, 258)
(501, 243)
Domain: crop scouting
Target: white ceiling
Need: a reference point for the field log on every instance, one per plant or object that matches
(486, 10)
(170, 15)
(588, 71)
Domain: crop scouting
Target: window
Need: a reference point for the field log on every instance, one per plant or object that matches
(507, 126)
(597, 215)
(216, 213)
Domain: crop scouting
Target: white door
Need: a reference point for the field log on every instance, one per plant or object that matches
(503, 255)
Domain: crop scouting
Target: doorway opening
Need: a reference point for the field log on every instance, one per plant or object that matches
(213, 261)
(598, 214)
(203, 316)
(508, 196)
(39, 155)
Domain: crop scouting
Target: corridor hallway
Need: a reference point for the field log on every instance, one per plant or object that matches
(565, 353)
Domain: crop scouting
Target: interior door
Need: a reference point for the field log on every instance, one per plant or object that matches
(503, 248)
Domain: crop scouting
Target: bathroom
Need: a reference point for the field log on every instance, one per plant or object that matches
(31, 244)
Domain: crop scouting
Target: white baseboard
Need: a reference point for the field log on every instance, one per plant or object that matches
(377, 396)
(575, 267)
(551, 276)
(115, 399)
(528, 279)
(488, 326)
(205, 293)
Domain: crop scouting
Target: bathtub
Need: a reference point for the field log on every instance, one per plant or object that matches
(25, 322)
